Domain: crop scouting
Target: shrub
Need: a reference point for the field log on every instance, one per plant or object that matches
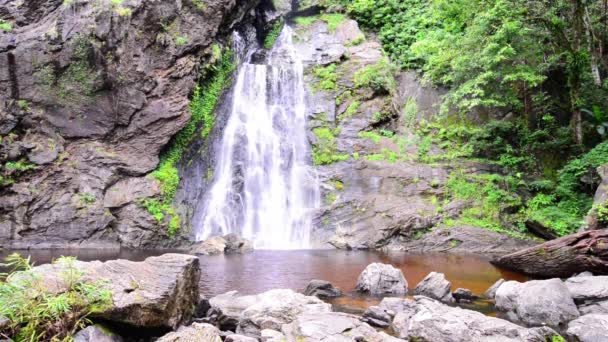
(37, 315)
(327, 76)
(380, 77)
(273, 34)
(324, 151)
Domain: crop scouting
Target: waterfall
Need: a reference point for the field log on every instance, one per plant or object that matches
(263, 185)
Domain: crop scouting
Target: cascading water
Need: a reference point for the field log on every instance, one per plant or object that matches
(263, 187)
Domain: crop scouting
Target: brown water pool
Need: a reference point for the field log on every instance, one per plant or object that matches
(265, 270)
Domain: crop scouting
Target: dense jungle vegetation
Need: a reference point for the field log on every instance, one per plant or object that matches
(528, 91)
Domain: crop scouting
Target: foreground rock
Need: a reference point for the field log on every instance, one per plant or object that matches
(158, 292)
(332, 326)
(435, 286)
(194, 333)
(425, 319)
(537, 302)
(377, 317)
(379, 279)
(585, 251)
(269, 310)
(96, 333)
(229, 244)
(322, 289)
(589, 328)
(589, 293)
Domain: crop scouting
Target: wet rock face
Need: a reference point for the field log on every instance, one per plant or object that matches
(537, 302)
(91, 94)
(379, 279)
(160, 292)
(588, 328)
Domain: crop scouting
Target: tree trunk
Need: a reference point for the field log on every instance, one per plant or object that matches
(585, 251)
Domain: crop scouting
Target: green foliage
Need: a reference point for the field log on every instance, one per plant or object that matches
(350, 110)
(273, 34)
(602, 212)
(181, 41)
(324, 152)
(330, 198)
(385, 155)
(557, 338)
(4, 26)
(327, 76)
(380, 77)
(305, 21)
(333, 20)
(371, 135)
(200, 4)
(35, 314)
(87, 198)
(202, 106)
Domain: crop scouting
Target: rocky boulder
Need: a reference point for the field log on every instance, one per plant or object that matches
(435, 286)
(589, 293)
(158, 292)
(588, 328)
(193, 333)
(425, 319)
(275, 308)
(229, 244)
(377, 279)
(322, 289)
(269, 310)
(491, 292)
(537, 302)
(96, 333)
(464, 295)
(377, 317)
(332, 326)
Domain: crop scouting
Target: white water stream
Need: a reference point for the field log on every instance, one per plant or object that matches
(264, 188)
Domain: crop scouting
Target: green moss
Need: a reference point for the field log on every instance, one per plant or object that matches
(324, 152)
(6, 27)
(380, 77)
(350, 111)
(338, 185)
(333, 20)
(305, 21)
(371, 135)
(273, 34)
(202, 106)
(328, 78)
(87, 198)
(181, 41)
(200, 4)
(385, 155)
(330, 198)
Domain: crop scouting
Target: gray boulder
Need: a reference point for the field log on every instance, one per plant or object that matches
(392, 305)
(425, 319)
(275, 308)
(195, 332)
(332, 326)
(322, 289)
(377, 317)
(464, 295)
(588, 328)
(537, 302)
(212, 246)
(435, 286)
(96, 333)
(236, 244)
(239, 338)
(491, 292)
(158, 292)
(381, 279)
(589, 293)
(249, 315)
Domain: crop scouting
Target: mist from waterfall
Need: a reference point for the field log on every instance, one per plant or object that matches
(264, 187)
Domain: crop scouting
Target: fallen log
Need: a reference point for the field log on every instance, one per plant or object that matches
(563, 257)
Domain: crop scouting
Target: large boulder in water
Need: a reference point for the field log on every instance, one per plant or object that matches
(537, 302)
(194, 333)
(589, 293)
(379, 279)
(425, 319)
(588, 328)
(229, 244)
(322, 289)
(435, 286)
(269, 310)
(158, 292)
